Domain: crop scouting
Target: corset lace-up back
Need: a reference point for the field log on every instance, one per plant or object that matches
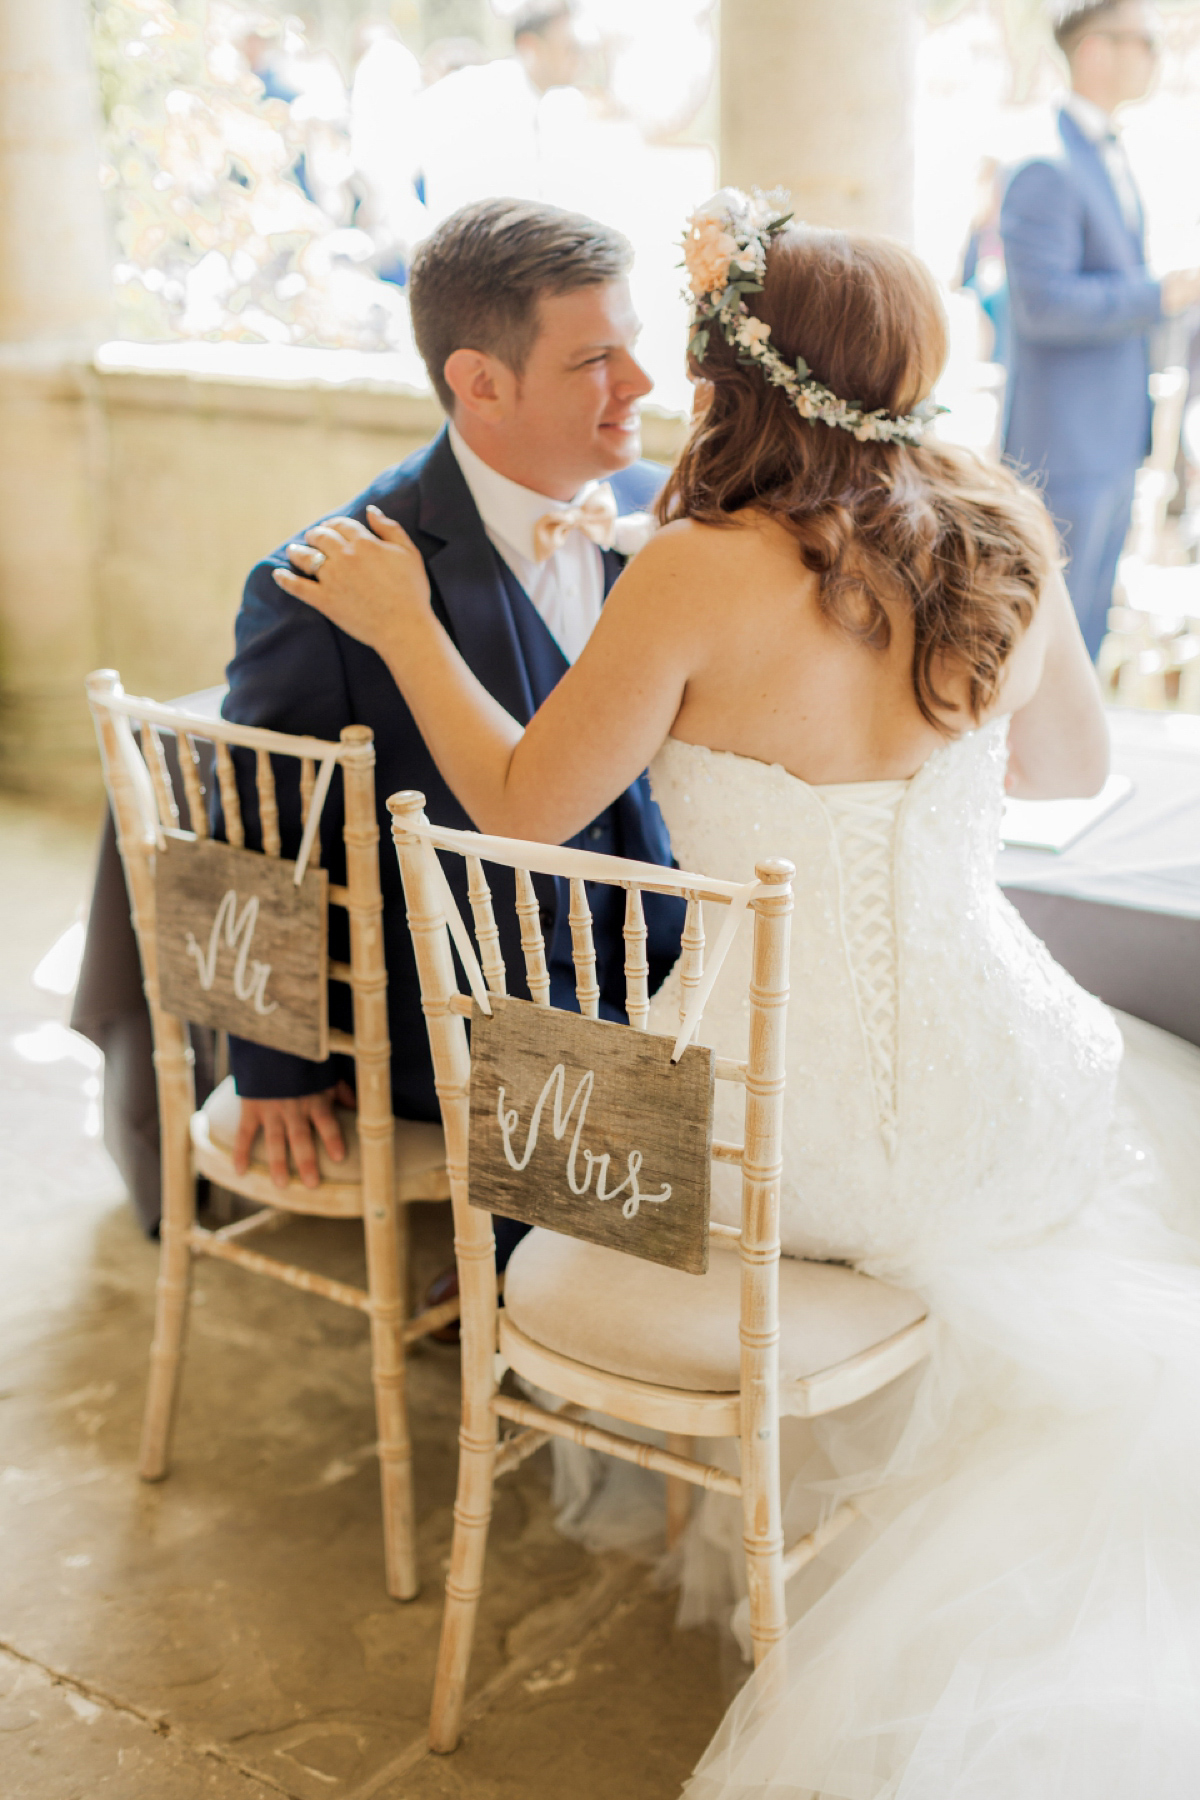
(936, 1054)
(862, 817)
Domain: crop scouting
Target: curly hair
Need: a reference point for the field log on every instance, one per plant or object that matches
(958, 542)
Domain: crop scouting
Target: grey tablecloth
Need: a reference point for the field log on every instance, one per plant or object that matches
(1121, 908)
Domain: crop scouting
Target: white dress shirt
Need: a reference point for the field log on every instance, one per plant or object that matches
(1098, 127)
(568, 588)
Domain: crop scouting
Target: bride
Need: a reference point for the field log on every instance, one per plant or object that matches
(842, 645)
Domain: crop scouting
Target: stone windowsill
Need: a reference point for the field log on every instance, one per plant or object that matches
(383, 390)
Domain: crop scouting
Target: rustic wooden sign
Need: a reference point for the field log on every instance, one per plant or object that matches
(586, 1127)
(241, 947)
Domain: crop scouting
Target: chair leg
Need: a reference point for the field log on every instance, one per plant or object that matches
(762, 1538)
(472, 1515)
(679, 1493)
(395, 1457)
(387, 1265)
(174, 1263)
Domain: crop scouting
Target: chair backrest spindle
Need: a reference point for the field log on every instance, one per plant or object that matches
(189, 765)
(583, 950)
(637, 969)
(487, 932)
(308, 784)
(160, 775)
(533, 945)
(691, 961)
(268, 807)
(231, 805)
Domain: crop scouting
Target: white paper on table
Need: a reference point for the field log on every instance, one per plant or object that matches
(1056, 824)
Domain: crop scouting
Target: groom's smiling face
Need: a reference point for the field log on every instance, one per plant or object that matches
(582, 386)
(572, 414)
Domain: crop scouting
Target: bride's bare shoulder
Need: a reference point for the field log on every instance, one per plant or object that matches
(707, 553)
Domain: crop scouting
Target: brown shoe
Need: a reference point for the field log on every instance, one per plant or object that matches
(443, 1287)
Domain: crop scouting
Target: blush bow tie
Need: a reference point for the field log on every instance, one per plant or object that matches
(594, 513)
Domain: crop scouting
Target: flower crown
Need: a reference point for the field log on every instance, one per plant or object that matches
(725, 253)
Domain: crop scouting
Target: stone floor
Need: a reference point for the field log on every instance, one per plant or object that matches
(226, 1633)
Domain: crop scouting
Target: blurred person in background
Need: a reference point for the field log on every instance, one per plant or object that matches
(504, 127)
(387, 80)
(447, 55)
(1083, 303)
(280, 54)
(982, 268)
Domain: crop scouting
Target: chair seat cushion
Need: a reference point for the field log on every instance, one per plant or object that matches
(420, 1148)
(650, 1323)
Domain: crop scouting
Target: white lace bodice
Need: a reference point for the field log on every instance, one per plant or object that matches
(947, 1082)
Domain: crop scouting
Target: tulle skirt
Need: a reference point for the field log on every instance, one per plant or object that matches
(1016, 1613)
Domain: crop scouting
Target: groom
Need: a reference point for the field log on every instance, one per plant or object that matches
(523, 317)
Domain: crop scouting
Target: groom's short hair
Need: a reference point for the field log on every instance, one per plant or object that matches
(476, 282)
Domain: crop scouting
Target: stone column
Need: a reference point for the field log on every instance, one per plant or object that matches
(817, 97)
(54, 286)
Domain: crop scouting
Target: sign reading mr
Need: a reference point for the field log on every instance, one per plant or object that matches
(240, 946)
(588, 1128)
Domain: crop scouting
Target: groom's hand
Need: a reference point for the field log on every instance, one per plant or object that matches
(288, 1125)
(364, 581)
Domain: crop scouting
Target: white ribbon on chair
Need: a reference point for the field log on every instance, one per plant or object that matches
(459, 932)
(315, 809)
(712, 969)
(139, 779)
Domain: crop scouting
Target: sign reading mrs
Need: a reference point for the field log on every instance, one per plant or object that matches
(240, 946)
(508, 1120)
(588, 1128)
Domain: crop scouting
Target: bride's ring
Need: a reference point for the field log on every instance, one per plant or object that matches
(319, 559)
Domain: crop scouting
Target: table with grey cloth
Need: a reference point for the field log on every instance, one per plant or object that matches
(1120, 909)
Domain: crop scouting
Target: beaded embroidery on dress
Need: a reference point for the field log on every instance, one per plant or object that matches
(1017, 1616)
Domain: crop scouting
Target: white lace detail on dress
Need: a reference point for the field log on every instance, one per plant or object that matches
(862, 817)
(947, 1083)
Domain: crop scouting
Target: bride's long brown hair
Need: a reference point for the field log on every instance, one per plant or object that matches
(957, 542)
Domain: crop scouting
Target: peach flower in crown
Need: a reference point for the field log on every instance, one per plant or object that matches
(708, 251)
(712, 251)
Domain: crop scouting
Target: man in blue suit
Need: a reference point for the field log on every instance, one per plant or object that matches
(521, 509)
(1083, 304)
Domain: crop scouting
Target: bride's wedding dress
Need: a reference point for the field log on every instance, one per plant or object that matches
(1017, 1615)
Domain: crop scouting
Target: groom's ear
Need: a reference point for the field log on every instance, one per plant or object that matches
(481, 384)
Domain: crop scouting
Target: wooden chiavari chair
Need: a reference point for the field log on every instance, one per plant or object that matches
(708, 1355)
(388, 1162)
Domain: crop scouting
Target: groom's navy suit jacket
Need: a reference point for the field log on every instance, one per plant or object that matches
(294, 671)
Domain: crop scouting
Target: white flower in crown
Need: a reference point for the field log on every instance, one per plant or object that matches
(728, 203)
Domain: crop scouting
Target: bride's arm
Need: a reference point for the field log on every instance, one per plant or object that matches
(591, 738)
(1058, 738)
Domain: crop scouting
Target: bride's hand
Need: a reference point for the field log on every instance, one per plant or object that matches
(370, 583)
